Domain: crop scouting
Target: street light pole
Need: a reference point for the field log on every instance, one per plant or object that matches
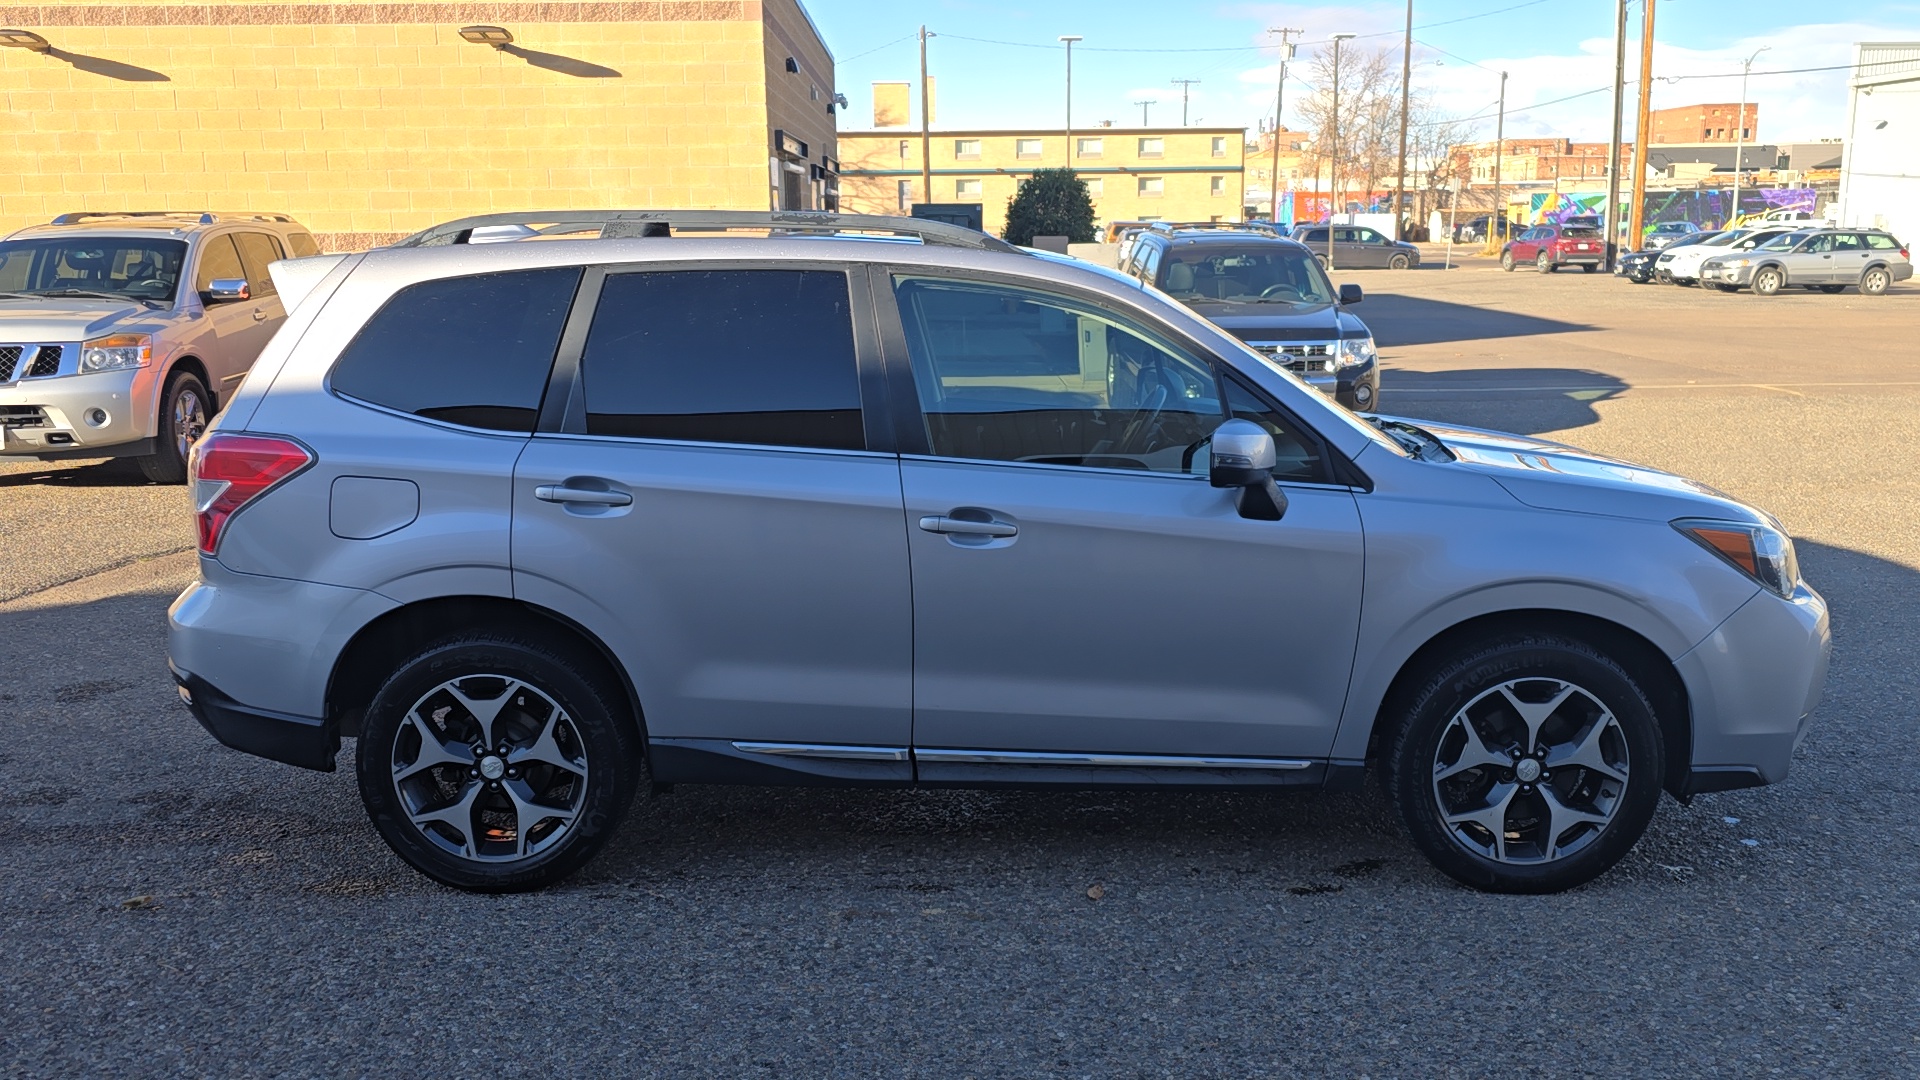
(1279, 105)
(1333, 171)
(1497, 221)
(1740, 128)
(1406, 99)
(926, 131)
(1068, 40)
(1610, 218)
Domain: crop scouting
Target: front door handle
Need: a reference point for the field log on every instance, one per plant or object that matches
(953, 526)
(560, 493)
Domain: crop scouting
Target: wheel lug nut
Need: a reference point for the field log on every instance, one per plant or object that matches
(473, 772)
(494, 784)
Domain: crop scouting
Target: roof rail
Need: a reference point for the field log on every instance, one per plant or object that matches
(1216, 226)
(203, 217)
(624, 224)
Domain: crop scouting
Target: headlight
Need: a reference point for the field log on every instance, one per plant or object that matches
(1354, 352)
(1762, 553)
(1735, 262)
(116, 351)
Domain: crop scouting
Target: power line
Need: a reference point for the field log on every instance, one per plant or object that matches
(877, 48)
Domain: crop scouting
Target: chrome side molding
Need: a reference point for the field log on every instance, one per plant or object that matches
(817, 750)
(1119, 761)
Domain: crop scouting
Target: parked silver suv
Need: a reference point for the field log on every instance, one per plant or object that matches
(122, 333)
(543, 522)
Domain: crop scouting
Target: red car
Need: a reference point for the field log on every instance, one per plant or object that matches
(1551, 247)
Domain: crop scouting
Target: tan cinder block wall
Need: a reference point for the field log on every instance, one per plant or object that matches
(874, 166)
(365, 130)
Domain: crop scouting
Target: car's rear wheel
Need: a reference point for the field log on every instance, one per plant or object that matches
(1526, 763)
(495, 763)
(1506, 261)
(1768, 282)
(1589, 268)
(1831, 289)
(185, 410)
(1875, 281)
(1545, 263)
(1399, 262)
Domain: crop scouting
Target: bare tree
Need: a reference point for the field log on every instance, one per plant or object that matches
(1431, 137)
(1366, 138)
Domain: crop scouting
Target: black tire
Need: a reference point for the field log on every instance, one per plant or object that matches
(1831, 289)
(1399, 262)
(185, 410)
(1589, 268)
(598, 727)
(1767, 281)
(1506, 261)
(1874, 282)
(1533, 663)
(1546, 264)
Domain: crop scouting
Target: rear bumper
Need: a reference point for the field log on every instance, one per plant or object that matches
(295, 740)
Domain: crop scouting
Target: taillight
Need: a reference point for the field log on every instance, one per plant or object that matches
(228, 471)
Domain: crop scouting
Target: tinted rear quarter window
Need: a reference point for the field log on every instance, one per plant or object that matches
(1881, 242)
(759, 357)
(469, 350)
(302, 245)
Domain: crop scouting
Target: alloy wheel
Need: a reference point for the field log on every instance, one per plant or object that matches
(489, 768)
(1875, 282)
(1767, 282)
(1530, 771)
(189, 420)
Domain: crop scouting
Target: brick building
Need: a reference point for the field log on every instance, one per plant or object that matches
(367, 121)
(1133, 174)
(1710, 123)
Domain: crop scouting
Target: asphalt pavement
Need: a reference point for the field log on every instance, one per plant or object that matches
(169, 907)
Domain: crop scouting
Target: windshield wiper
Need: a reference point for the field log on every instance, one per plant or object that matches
(1419, 442)
(92, 294)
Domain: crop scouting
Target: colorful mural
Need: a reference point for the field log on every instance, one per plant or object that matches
(1304, 206)
(1707, 209)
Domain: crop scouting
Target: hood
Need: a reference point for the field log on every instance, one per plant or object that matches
(1554, 476)
(56, 319)
(1280, 322)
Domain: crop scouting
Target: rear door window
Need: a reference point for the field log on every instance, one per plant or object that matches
(472, 350)
(760, 357)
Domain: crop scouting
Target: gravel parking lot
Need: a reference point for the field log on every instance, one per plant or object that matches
(171, 907)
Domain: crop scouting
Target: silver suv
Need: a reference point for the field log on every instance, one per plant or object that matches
(121, 334)
(546, 524)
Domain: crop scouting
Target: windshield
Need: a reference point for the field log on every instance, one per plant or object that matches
(1725, 238)
(1784, 241)
(1276, 273)
(135, 267)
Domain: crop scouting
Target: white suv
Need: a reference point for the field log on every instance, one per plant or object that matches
(1681, 265)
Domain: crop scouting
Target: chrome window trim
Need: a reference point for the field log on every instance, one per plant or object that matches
(775, 448)
(1118, 761)
(834, 751)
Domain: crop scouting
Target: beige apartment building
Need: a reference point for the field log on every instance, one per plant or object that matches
(368, 121)
(1133, 174)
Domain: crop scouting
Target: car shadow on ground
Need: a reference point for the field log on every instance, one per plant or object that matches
(1413, 320)
(113, 472)
(1524, 401)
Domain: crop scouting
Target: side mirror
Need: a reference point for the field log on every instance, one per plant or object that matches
(1351, 294)
(228, 290)
(1242, 456)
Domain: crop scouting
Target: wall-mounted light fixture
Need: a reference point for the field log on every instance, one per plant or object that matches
(24, 39)
(793, 66)
(496, 36)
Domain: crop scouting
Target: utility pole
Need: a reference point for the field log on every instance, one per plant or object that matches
(1740, 144)
(1406, 98)
(1497, 221)
(1068, 40)
(1143, 111)
(1279, 105)
(1184, 84)
(926, 132)
(1333, 173)
(1610, 217)
(1643, 134)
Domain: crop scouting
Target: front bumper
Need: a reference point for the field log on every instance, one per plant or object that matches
(1357, 387)
(1725, 275)
(77, 415)
(1753, 685)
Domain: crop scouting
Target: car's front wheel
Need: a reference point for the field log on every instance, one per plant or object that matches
(1526, 763)
(1399, 262)
(495, 763)
(185, 410)
(1768, 282)
(1875, 282)
(1506, 261)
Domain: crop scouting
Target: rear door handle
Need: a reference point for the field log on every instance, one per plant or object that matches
(560, 493)
(952, 526)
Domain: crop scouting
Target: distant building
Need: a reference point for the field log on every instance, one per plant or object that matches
(369, 121)
(1710, 123)
(1880, 174)
(1133, 174)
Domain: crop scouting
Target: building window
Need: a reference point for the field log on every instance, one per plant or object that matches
(1746, 133)
(1090, 147)
(1096, 187)
(904, 146)
(1219, 185)
(1026, 148)
(966, 148)
(1152, 147)
(1152, 187)
(1219, 146)
(905, 193)
(966, 189)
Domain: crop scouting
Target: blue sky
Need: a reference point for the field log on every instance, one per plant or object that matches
(1551, 49)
